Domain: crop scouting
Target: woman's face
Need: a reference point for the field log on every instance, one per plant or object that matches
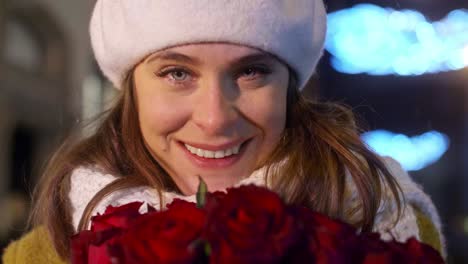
(211, 110)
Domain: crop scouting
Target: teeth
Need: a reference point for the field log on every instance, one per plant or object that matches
(228, 152)
(235, 150)
(199, 152)
(213, 154)
(208, 154)
(219, 154)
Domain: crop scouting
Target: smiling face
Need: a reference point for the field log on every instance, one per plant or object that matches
(211, 110)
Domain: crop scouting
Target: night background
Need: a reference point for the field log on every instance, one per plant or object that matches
(406, 79)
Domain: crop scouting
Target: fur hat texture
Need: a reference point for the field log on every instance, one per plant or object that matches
(124, 32)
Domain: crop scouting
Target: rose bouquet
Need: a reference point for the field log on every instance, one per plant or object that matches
(248, 224)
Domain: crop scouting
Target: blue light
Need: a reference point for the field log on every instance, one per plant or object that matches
(413, 153)
(370, 39)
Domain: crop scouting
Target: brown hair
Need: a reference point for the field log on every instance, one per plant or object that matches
(319, 146)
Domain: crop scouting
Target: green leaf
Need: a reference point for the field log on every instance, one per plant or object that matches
(207, 249)
(201, 193)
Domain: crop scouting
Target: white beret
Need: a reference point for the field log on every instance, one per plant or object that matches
(124, 32)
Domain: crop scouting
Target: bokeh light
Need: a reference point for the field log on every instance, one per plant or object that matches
(375, 40)
(465, 55)
(413, 153)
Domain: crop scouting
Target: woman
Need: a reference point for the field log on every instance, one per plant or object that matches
(212, 89)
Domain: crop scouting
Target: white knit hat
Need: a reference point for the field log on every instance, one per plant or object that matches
(123, 32)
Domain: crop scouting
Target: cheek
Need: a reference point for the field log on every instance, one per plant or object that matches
(268, 112)
(160, 116)
(275, 122)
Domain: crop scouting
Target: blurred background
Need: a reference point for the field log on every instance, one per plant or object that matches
(401, 65)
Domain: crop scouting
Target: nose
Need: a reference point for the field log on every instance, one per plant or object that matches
(215, 111)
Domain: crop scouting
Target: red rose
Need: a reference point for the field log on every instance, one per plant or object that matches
(413, 251)
(422, 253)
(245, 225)
(92, 247)
(163, 237)
(213, 200)
(116, 217)
(327, 240)
(369, 248)
(249, 224)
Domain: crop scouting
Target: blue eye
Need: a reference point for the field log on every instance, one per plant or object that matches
(175, 74)
(250, 72)
(178, 75)
(254, 72)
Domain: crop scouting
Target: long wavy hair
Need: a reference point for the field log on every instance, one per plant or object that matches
(319, 149)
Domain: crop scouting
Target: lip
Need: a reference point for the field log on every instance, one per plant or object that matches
(207, 163)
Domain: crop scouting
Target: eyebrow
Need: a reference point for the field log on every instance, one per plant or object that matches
(174, 56)
(255, 57)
